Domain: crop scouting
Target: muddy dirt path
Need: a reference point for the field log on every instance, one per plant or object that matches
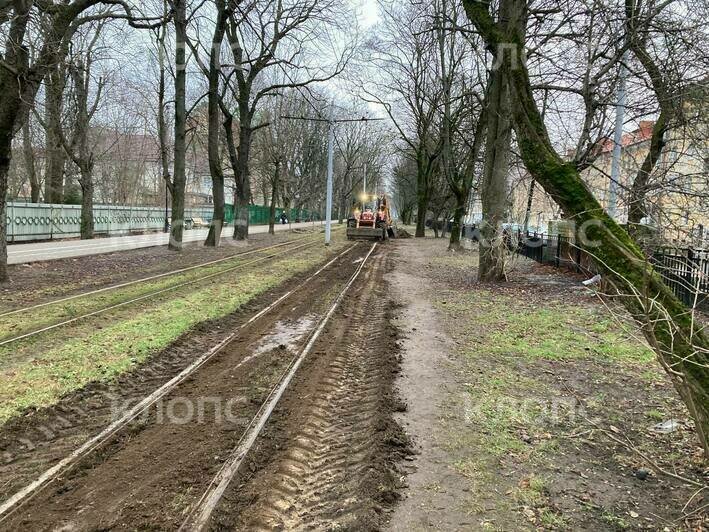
(328, 460)
(156, 469)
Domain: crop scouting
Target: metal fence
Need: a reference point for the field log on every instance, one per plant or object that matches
(40, 221)
(684, 270)
(260, 215)
(556, 250)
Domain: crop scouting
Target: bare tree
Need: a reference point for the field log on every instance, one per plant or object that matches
(80, 147)
(215, 104)
(408, 88)
(162, 128)
(21, 75)
(263, 36)
(461, 111)
(681, 346)
(179, 176)
(404, 185)
(28, 153)
(54, 86)
(641, 21)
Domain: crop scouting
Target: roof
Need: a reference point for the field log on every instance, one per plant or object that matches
(643, 133)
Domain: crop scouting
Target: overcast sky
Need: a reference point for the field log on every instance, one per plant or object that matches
(369, 13)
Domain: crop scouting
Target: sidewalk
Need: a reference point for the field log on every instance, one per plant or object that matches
(24, 253)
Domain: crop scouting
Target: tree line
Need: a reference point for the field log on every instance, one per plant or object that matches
(477, 89)
(473, 89)
(180, 91)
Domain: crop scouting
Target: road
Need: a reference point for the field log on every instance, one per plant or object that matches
(25, 253)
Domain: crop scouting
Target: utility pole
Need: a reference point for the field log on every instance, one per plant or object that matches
(618, 138)
(330, 171)
(330, 158)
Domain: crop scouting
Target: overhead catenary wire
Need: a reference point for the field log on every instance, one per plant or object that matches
(331, 121)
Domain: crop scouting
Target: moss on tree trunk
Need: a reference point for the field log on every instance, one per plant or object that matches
(666, 323)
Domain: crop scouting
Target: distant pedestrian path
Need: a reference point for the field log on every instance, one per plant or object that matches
(24, 253)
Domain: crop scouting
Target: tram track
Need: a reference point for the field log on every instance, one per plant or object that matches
(201, 513)
(63, 469)
(147, 279)
(289, 246)
(327, 460)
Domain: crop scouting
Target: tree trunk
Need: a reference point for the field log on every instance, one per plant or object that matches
(79, 150)
(422, 197)
(28, 154)
(670, 111)
(215, 124)
(5, 151)
(530, 200)
(219, 212)
(162, 125)
(343, 214)
(637, 209)
(56, 156)
(462, 192)
(241, 218)
(682, 349)
(274, 199)
(243, 185)
(10, 107)
(19, 84)
(87, 203)
(458, 215)
(406, 214)
(494, 182)
(179, 172)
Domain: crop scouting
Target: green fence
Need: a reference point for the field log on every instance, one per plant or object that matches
(259, 215)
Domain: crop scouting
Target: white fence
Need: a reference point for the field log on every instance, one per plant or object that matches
(41, 221)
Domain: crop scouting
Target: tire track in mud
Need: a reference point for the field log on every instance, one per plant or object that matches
(333, 465)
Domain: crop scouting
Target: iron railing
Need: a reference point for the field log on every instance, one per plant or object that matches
(684, 270)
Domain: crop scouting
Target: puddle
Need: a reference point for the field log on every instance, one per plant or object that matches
(287, 334)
